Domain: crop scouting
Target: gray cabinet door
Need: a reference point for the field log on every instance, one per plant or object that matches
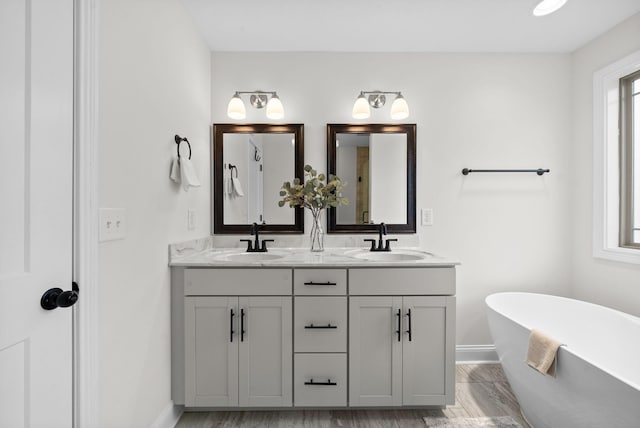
(375, 351)
(427, 351)
(211, 351)
(265, 355)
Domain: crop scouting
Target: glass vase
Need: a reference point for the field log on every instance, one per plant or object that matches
(317, 233)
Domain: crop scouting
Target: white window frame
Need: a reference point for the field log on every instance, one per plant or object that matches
(606, 161)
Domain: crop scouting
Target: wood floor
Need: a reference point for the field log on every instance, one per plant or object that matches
(481, 390)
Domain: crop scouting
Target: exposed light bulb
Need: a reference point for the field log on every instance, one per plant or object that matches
(546, 7)
(275, 110)
(236, 109)
(361, 108)
(399, 108)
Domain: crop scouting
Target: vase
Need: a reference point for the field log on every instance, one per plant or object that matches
(317, 233)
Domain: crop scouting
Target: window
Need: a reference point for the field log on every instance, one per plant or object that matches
(616, 161)
(630, 160)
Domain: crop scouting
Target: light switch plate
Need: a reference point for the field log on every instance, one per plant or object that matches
(426, 216)
(113, 224)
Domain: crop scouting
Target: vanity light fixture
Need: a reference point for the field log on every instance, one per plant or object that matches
(546, 7)
(258, 99)
(377, 99)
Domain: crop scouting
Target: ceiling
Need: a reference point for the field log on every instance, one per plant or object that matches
(402, 25)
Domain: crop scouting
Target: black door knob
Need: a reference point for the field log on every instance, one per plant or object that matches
(55, 297)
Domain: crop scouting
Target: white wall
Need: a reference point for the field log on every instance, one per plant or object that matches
(278, 157)
(613, 284)
(346, 169)
(154, 83)
(236, 153)
(388, 178)
(511, 232)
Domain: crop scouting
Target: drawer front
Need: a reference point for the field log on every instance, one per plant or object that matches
(317, 282)
(320, 324)
(402, 281)
(320, 380)
(237, 282)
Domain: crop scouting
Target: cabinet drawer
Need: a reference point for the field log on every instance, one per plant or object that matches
(320, 324)
(237, 282)
(314, 282)
(320, 380)
(399, 281)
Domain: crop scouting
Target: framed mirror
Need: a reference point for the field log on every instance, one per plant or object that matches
(251, 161)
(378, 162)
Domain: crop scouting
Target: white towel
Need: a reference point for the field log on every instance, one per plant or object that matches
(237, 187)
(175, 171)
(188, 176)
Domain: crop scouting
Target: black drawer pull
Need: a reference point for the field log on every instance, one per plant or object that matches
(320, 326)
(328, 382)
(320, 283)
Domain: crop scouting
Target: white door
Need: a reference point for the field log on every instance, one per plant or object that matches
(375, 351)
(36, 126)
(265, 354)
(211, 351)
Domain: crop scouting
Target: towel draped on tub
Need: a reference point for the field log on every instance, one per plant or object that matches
(542, 353)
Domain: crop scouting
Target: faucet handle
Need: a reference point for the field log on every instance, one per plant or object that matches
(373, 244)
(264, 244)
(249, 244)
(387, 247)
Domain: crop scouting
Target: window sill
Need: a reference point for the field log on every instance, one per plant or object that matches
(618, 254)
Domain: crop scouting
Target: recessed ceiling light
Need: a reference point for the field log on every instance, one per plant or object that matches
(545, 7)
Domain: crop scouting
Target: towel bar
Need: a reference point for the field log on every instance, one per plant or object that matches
(539, 171)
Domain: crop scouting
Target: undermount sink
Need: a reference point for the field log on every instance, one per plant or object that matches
(252, 257)
(392, 256)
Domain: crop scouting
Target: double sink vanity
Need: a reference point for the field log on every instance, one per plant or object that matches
(347, 327)
(273, 325)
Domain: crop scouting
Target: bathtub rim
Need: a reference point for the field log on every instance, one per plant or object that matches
(566, 348)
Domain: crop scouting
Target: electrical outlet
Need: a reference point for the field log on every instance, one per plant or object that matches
(426, 216)
(113, 224)
(191, 219)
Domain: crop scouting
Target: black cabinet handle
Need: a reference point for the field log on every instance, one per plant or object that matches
(328, 382)
(231, 326)
(320, 283)
(399, 330)
(320, 326)
(409, 331)
(242, 325)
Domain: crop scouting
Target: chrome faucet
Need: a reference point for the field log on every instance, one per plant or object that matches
(382, 231)
(254, 246)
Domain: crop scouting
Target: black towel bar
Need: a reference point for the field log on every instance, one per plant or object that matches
(539, 171)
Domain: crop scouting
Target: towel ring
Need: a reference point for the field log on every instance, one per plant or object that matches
(178, 141)
(231, 168)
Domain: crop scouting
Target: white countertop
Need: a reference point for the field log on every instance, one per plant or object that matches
(204, 256)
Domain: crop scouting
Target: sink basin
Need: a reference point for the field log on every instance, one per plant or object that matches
(392, 256)
(252, 257)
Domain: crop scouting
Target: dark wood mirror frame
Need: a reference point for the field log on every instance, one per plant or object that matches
(410, 131)
(218, 159)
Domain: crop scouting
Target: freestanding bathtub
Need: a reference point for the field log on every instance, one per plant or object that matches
(598, 369)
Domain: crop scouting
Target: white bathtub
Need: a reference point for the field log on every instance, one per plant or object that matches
(598, 371)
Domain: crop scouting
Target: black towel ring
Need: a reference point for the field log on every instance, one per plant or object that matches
(178, 141)
(231, 168)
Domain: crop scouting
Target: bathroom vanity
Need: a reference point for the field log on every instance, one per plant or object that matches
(290, 328)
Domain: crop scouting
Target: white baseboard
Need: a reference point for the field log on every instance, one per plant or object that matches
(477, 354)
(169, 416)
